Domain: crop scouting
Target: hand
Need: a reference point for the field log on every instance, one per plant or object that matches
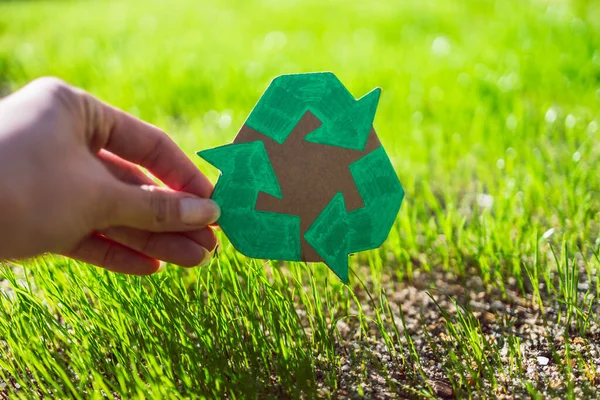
(70, 184)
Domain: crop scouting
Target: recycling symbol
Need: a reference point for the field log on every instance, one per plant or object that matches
(306, 178)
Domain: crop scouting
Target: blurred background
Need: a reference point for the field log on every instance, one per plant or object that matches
(469, 88)
(490, 112)
(482, 100)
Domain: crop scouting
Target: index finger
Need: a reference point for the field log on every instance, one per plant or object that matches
(145, 145)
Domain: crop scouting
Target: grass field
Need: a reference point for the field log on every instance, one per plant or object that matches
(488, 283)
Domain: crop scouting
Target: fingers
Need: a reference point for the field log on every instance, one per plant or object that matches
(124, 170)
(204, 237)
(145, 145)
(157, 209)
(112, 256)
(186, 251)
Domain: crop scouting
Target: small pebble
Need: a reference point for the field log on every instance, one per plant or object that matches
(541, 360)
(497, 305)
(343, 327)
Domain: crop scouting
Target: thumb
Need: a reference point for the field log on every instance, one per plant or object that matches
(157, 209)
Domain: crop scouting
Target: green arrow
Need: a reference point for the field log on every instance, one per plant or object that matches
(335, 233)
(382, 195)
(246, 171)
(328, 235)
(346, 122)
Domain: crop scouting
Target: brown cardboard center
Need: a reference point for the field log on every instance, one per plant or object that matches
(309, 174)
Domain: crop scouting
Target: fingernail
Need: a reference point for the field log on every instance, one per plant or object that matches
(195, 211)
(161, 267)
(208, 255)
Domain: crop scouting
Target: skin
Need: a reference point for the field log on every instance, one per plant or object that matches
(70, 184)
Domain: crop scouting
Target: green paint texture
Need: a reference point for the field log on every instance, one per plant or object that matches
(328, 235)
(337, 233)
(346, 122)
(246, 170)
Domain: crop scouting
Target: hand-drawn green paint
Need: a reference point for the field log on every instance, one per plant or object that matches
(382, 194)
(346, 122)
(246, 170)
(328, 235)
(337, 233)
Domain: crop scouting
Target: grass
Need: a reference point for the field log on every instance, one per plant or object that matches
(490, 112)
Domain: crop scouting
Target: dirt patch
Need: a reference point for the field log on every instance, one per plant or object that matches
(522, 349)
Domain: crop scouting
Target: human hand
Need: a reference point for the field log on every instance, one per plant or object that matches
(70, 184)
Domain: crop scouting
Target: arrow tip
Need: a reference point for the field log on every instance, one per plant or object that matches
(215, 156)
(246, 165)
(327, 235)
(351, 128)
(365, 109)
